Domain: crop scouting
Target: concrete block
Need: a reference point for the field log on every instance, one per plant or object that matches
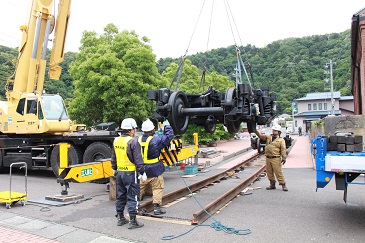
(358, 139)
(333, 139)
(350, 147)
(350, 140)
(341, 139)
(332, 146)
(341, 147)
(358, 147)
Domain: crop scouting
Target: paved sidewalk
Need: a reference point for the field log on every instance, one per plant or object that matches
(15, 228)
(300, 156)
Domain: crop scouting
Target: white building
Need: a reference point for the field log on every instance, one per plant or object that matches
(316, 106)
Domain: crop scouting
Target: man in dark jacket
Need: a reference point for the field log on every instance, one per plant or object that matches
(151, 146)
(127, 161)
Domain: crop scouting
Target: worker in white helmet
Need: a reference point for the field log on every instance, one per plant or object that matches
(151, 146)
(275, 152)
(127, 163)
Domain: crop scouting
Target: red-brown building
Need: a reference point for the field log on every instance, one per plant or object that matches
(358, 61)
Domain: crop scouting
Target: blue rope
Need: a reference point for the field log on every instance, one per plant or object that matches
(215, 225)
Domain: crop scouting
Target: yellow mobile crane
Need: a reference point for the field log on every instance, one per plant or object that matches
(32, 122)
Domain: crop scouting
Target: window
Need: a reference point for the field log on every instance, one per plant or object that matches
(40, 113)
(32, 106)
(315, 106)
(309, 107)
(319, 106)
(20, 107)
(324, 106)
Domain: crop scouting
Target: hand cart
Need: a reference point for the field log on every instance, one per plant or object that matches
(10, 197)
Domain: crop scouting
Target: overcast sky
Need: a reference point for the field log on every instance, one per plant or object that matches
(169, 24)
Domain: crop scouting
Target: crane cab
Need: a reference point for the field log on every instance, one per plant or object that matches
(34, 114)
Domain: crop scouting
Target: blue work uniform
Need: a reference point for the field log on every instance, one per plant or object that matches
(151, 146)
(127, 161)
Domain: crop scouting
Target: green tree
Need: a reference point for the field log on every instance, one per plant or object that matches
(113, 74)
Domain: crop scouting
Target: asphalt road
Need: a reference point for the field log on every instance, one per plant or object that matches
(299, 215)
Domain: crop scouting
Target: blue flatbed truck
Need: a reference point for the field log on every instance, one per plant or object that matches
(345, 162)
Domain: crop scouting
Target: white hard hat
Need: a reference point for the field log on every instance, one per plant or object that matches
(147, 126)
(276, 127)
(128, 124)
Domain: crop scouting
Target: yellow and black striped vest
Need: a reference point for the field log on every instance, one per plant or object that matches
(120, 148)
(144, 150)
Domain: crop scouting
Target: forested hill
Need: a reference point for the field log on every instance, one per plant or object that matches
(291, 67)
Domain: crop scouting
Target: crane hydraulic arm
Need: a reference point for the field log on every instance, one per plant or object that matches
(26, 111)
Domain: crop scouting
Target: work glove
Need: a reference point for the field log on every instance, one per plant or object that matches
(142, 177)
(283, 161)
(166, 123)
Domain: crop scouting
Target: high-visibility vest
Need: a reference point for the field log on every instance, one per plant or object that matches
(120, 148)
(144, 150)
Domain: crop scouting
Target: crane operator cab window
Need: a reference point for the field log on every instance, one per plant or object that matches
(54, 108)
(32, 106)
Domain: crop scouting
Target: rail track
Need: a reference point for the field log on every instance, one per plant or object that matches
(219, 202)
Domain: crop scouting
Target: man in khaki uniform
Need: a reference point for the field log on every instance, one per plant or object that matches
(275, 152)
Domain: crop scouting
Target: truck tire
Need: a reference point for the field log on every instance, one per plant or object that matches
(74, 157)
(97, 151)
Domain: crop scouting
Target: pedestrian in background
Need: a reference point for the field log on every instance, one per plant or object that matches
(127, 162)
(151, 146)
(275, 152)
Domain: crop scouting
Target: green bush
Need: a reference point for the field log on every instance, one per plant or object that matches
(204, 137)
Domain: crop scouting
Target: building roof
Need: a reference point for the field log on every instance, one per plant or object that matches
(349, 97)
(321, 96)
(317, 114)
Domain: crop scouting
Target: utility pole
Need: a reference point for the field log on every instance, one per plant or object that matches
(331, 82)
(293, 108)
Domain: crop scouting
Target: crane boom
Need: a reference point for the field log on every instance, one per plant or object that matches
(27, 110)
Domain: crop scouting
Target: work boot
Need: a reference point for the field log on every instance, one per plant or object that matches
(272, 186)
(133, 223)
(121, 219)
(285, 189)
(157, 210)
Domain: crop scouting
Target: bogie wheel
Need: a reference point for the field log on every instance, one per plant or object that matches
(74, 157)
(251, 126)
(210, 124)
(97, 151)
(232, 123)
(178, 121)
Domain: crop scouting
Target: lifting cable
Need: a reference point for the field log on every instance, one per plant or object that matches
(217, 225)
(202, 80)
(238, 52)
(180, 68)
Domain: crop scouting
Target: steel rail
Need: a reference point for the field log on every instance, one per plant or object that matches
(211, 208)
(172, 196)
